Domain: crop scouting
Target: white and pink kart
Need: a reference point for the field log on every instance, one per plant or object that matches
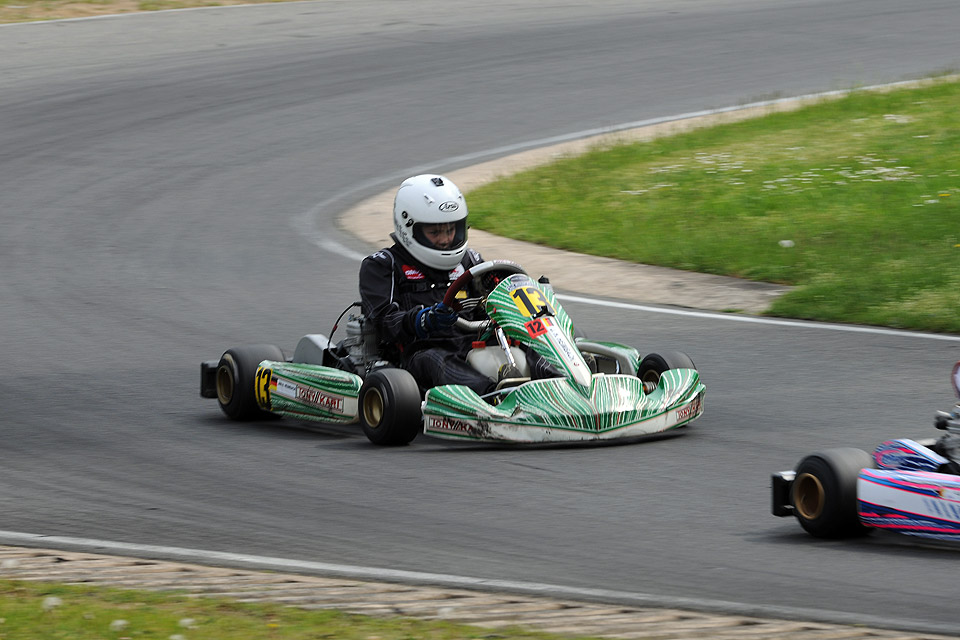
(907, 486)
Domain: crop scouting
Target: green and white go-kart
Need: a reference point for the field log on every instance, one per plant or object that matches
(608, 391)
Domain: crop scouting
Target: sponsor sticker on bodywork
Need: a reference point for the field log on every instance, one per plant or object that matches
(450, 425)
(320, 399)
(692, 410)
(307, 395)
(285, 388)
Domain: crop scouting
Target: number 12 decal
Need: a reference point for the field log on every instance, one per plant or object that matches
(536, 327)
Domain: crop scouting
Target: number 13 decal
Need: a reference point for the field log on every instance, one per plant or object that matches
(261, 387)
(530, 302)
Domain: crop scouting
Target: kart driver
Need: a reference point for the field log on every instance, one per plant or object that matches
(402, 286)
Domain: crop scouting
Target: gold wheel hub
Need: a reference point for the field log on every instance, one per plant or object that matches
(373, 408)
(225, 381)
(808, 496)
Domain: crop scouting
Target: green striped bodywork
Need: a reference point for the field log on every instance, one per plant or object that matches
(556, 409)
(308, 391)
(518, 304)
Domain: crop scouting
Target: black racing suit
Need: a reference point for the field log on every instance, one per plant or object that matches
(394, 287)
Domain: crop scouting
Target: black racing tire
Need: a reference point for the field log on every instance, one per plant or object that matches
(824, 492)
(235, 384)
(390, 407)
(653, 365)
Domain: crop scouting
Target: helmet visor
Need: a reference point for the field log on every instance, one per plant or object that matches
(441, 236)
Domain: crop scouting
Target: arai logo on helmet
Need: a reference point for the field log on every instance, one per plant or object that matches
(448, 207)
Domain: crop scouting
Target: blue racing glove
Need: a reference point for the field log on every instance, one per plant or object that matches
(432, 319)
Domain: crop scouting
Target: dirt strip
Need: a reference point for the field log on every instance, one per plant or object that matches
(486, 610)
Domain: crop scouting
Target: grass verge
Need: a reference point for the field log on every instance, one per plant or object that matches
(854, 201)
(29, 611)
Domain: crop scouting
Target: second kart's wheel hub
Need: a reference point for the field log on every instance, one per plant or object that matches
(808, 496)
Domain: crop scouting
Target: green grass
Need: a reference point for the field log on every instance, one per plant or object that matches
(33, 611)
(854, 201)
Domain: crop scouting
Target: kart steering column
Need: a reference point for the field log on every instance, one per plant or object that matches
(505, 345)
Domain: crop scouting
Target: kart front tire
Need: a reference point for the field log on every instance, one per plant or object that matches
(653, 365)
(236, 392)
(824, 492)
(390, 407)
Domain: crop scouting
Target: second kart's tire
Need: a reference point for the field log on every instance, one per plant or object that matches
(824, 492)
(653, 365)
(390, 407)
(236, 386)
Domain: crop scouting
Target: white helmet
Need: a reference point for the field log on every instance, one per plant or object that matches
(430, 199)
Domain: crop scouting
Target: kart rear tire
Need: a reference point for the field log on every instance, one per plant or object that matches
(390, 407)
(236, 392)
(653, 365)
(824, 492)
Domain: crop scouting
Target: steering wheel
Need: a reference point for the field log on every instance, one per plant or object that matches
(484, 277)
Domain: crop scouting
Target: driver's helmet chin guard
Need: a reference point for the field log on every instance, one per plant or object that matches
(430, 199)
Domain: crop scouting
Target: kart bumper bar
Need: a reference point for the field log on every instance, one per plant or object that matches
(782, 484)
(208, 378)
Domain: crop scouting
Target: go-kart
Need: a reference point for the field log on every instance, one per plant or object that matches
(907, 486)
(607, 390)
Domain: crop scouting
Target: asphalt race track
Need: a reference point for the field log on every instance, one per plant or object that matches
(170, 185)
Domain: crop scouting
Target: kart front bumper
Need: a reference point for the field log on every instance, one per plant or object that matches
(555, 410)
(781, 486)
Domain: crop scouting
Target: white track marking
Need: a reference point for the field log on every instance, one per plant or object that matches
(759, 320)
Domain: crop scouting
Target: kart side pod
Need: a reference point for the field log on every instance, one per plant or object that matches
(310, 350)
